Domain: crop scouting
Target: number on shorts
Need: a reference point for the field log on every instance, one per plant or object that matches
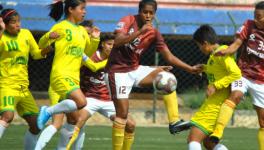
(238, 83)
(122, 90)
(9, 100)
(71, 83)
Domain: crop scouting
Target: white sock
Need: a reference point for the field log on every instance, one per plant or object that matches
(45, 137)
(3, 126)
(65, 106)
(65, 135)
(220, 147)
(30, 141)
(193, 145)
(78, 145)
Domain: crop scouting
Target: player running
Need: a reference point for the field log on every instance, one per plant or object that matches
(251, 63)
(221, 72)
(15, 46)
(134, 35)
(71, 41)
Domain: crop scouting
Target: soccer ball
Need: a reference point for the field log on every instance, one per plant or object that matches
(165, 83)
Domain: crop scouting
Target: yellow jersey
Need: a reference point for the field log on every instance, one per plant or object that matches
(14, 53)
(222, 71)
(69, 48)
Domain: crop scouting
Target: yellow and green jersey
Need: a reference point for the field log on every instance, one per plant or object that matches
(14, 53)
(221, 71)
(69, 48)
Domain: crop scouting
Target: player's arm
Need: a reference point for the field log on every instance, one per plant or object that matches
(2, 27)
(231, 49)
(50, 37)
(175, 61)
(233, 70)
(35, 51)
(92, 41)
(89, 63)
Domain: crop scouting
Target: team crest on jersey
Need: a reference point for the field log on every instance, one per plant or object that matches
(252, 37)
(120, 25)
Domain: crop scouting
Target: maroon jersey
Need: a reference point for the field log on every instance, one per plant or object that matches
(251, 61)
(126, 57)
(92, 83)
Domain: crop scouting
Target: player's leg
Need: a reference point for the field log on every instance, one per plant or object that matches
(93, 106)
(119, 85)
(57, 121)
(196, 136)
(28, 109)
(66, 88)
(129, 134)
(147, 75)
(8, 101)
(209, 145)
(49, 132)
(238, 87)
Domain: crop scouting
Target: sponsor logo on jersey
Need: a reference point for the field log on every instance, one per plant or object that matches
(252, 37)
(120, 25)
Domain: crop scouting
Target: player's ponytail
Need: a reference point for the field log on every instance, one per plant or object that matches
(56, 10)
(62, 6)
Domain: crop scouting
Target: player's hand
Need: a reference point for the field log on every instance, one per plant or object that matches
(146, 27)
(166, 68)
(2, 25)
(95, 32)
(54, 35)
(211, 89)
(197, 68)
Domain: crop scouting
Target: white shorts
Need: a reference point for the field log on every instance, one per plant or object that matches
(120, 84)
(255, 90)
(105, 108)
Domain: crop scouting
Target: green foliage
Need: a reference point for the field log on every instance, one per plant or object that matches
(193, 98)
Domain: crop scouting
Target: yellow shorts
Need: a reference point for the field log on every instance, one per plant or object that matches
(63, 86)
(54, 97)
(205, 118)
(19, 99)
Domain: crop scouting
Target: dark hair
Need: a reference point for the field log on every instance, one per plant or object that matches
(142, 3)
(105, 37)
(260, 5)
(57, 9)
(1, 7)
(205, 33)
(7, 14)
(87, 23)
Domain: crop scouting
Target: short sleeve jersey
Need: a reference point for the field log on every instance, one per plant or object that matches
(126, 57)
(251, 61)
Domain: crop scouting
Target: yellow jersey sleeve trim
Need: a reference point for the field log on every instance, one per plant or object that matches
(233, 70)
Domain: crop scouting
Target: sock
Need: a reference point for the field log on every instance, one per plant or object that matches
(220, 147)
(193, 145)
(261, 138)
(65, 106)
(30, 141)
(78, 145)
(128, 141)
(3, 126)
(225, 114)
(118, 131)
(171, 104)
(73, 138)
(45, 137)
(65, 135)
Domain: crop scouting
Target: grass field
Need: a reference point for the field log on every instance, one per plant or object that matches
(147, 138)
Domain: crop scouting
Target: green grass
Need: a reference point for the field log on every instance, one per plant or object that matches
(147, 138)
